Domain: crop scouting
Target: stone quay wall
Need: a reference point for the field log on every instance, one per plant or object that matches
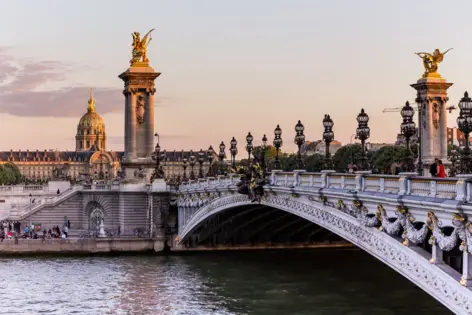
(80, 246)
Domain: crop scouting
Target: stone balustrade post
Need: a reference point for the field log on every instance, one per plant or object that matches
(273, 177)
(296, 177)
(360, 181)
(324, 178)
(462, 185)
(466, 268)
(436, 255)
(433, 188)
(405, 182)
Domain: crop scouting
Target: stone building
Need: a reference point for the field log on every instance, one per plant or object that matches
(90, 158)
(456, 137)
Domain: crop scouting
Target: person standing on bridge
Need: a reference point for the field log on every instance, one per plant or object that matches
(433, 168)
(441, 171)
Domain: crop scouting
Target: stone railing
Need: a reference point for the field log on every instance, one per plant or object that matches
(404, 184)
(22, 189)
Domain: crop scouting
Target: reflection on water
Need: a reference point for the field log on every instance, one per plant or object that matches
(256, 283)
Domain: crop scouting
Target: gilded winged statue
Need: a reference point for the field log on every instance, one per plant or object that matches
(431, 61)
(140, 48)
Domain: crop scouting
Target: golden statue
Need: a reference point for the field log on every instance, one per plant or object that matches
(140, 49)
(431, 61)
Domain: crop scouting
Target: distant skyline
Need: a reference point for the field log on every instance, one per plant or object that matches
(227, 67)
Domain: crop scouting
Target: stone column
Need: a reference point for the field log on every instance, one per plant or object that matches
(127, 126)
(150, 123)
(443, 132)
(428, 137)
(132, 123)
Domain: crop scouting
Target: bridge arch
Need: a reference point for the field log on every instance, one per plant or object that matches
(408, 261)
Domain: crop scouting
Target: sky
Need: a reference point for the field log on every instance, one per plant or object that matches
(228, 67)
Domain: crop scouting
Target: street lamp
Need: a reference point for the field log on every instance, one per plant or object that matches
(156, 156)
(363, 133)
(210, 156)
(184, 164)
(453, 158)
(328, 137)
(464, 122)
(163, 167)
(299, 141)
(264, 147)
(191, 161)
(277, 144)
(221, 156)
(249, 146)
(201, 159)
(233, 150)
(408, 129)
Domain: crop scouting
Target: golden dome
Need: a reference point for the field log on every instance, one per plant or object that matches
(91, 119)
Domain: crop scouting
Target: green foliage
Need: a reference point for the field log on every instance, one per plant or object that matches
(451, 147)
(383, 158)
(347, 154)
(314, 163)
(9, 174)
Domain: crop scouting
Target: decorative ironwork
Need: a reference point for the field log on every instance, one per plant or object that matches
(299, 141)
(464, 122)
(278, 142)
(363, 133)
(408, 129)
(328, 137)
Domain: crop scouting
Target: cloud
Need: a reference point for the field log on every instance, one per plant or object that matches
(23, 93)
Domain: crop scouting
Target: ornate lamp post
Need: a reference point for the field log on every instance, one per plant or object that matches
(249, 146)
(163, 165)
(156, 156)
(233, 150)
(363, 133)
(191, 161)
(453, 158)
(210, 153)
(221, 156)
(184, 164)
(277, 144)
(464, 122)
(328, 137)
(264, 147)
(201, 159)
(408, 129)
(299, 141)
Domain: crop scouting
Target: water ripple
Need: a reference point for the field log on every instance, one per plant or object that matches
(263, 283)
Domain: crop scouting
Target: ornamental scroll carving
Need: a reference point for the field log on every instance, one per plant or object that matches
(140, 108)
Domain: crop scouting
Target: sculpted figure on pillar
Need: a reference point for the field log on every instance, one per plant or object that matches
(431, 62)
(140, 49)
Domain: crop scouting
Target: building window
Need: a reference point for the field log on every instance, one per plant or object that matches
(88, 144)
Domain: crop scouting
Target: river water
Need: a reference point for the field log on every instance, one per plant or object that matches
(347, 282)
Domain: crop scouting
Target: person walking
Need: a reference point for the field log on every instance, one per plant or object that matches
(441, 171)
(433, 168)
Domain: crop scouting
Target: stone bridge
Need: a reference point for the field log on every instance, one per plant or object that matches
(416, 225)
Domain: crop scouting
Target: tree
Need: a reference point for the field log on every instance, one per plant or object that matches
(347, 154)
(9, 174)
(314, 163)
(383, 158)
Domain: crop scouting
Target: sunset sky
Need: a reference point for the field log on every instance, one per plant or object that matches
(227, 67)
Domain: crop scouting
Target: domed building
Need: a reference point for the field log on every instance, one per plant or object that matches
(91, 133)
(90, 158)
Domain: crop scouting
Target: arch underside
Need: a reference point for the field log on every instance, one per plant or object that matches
(258, 225)
(313, 220)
